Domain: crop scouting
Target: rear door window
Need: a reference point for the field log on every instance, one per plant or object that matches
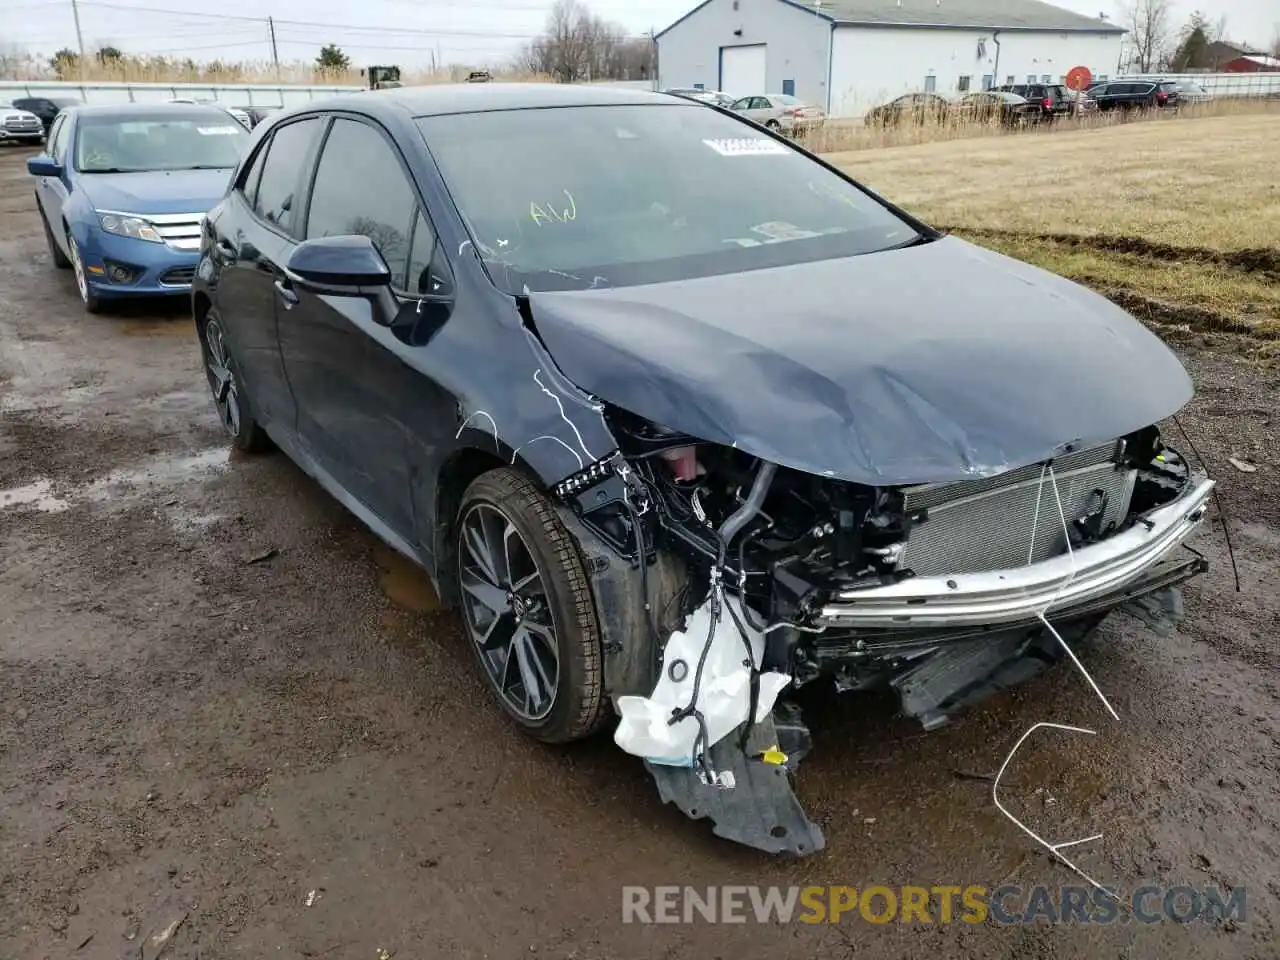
(288, 158)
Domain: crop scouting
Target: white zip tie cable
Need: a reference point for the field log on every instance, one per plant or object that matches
(1066, 530)
(1055, 848)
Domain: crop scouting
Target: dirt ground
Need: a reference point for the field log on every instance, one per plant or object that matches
(224, 705)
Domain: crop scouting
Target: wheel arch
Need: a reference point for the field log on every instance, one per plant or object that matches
(457, 473)
(201, 304)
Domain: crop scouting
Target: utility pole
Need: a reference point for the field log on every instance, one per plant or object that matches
(75, 13)
(653, 57)
(275, 55)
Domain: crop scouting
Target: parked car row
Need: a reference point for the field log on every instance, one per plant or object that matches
(1036, 102)
(1013, 104)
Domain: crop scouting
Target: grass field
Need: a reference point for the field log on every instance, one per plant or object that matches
(1175, 221)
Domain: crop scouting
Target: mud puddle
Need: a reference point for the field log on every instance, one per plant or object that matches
(404, 583)
(124, 485)
(36, 496)
(159, 474)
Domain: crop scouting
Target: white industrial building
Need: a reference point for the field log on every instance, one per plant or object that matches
(849, 55)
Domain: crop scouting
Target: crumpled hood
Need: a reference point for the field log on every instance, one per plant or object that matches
(164, 191)
(929, 363)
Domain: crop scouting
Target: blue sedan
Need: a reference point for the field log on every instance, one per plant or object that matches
(123, 189)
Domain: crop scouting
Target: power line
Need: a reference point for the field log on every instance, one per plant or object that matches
(537, 6)
(212, 46)
(419, 48)
(173, 13)
(316, 24)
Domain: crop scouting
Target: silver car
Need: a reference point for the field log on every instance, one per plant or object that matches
(782, 112)
(714, 97)
(241, 116)
(1191, 92)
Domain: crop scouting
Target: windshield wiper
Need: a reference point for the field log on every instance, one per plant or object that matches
(207, 166)
(919, 240)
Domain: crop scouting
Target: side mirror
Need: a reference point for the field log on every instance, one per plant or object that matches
(44, 166)
(345, 266)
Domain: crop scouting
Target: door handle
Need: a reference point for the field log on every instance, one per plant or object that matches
(286, 295)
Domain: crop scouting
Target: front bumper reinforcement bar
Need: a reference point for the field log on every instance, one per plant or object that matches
(1021, 593)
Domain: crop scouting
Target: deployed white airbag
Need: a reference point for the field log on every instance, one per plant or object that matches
(724, 695)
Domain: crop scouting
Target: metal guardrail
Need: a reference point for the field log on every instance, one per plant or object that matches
(232, 94)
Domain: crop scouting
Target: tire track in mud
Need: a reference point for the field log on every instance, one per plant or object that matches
(1174, 317)
(1259, 260)
(1164, 314)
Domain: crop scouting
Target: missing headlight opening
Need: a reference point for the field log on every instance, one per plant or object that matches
(756, 580)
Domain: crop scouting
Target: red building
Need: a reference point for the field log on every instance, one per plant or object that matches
(1252, 63)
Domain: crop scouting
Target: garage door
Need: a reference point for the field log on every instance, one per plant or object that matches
(742, 70)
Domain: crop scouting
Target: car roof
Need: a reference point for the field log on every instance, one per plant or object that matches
(448, 98)
(128, 111)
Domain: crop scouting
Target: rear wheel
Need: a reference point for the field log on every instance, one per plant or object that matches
(773, 125)
(228, 392)
(528, 610)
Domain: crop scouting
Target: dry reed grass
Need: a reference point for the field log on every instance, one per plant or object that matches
(131, 69)
(841, 136)
(1173, 220)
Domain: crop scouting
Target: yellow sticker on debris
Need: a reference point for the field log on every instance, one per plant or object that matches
(774, 756)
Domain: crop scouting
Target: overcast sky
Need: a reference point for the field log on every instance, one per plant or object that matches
(406, 32)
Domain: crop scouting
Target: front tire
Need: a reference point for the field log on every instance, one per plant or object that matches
(227, 388)
(91, 301)
(528, 609)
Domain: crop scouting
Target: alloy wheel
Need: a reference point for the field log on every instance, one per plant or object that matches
(82, 282)
(222, 379)
(506, 609)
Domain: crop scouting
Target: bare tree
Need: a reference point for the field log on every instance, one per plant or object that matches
(577, 45)
(1275, 44)
(1148, 24)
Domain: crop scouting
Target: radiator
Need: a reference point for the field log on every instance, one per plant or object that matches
(987, 524)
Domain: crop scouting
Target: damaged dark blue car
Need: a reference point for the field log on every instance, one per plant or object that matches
(683, 419)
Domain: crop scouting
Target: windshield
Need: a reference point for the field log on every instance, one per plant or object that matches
(622, 195)
(172, 142)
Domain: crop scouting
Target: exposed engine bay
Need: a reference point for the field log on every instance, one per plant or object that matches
(756, 580)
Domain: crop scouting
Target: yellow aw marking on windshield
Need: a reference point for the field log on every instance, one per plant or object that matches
(550, 214)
